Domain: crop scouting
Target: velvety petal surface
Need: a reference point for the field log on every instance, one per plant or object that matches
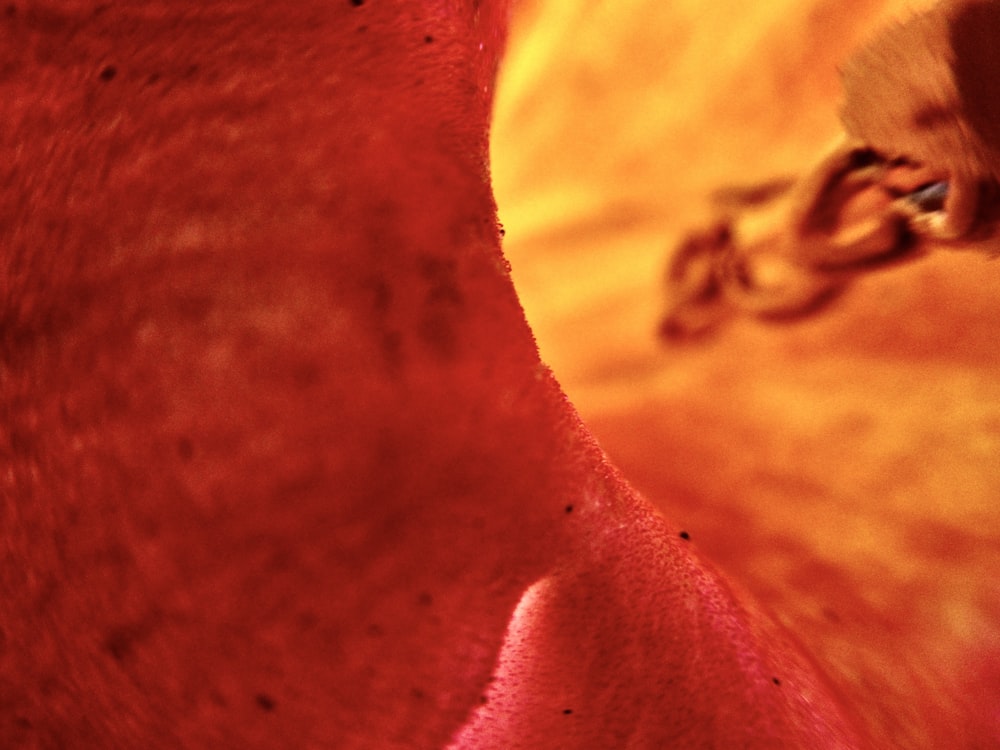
(279, 463)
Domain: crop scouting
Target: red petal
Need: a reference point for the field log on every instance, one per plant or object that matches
(279, 457)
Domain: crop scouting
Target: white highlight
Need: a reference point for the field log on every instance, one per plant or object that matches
(515, 658)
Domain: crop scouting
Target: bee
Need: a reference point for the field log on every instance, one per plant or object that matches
(918, 165)
(925, 93)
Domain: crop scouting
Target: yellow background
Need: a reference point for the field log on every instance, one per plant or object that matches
(843, 470)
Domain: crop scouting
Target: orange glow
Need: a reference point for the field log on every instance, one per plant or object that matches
(843, 470)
